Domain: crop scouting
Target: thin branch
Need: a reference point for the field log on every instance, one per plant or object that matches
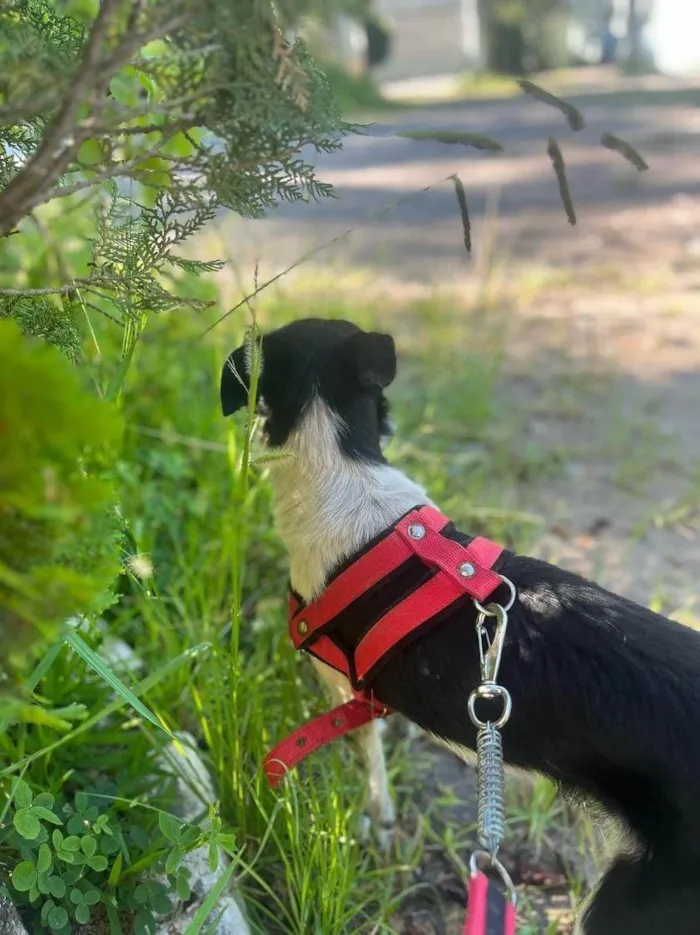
(373, 215)
(128, 165)
(33, 183)
(112, 172)
(104, 131)
(131, 44)
(85, 283)
(57, 146)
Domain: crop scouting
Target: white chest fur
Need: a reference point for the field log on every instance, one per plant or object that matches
(328, 506)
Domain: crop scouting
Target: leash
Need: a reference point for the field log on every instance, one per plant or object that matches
(490, 908)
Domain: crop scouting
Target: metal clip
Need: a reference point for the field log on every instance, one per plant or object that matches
(491, 648)
(493, 863)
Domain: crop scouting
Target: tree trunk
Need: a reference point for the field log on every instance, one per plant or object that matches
(634, 36)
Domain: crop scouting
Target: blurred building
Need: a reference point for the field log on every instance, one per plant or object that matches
(672, 36)
(432, 37)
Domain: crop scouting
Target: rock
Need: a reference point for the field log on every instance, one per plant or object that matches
(119, 655)
(231, 920)
(195, 789)
(10, 922)
(194, 793)
(202, 879)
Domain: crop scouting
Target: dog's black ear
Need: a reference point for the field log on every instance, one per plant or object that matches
(373, 358)
(235, 382)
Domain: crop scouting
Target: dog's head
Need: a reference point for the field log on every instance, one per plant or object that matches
(335, 362)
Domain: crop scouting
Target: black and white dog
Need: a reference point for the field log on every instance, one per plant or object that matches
(606, 694)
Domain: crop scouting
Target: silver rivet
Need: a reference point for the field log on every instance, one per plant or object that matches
(416, 531)
(466, 570)
(302, 627)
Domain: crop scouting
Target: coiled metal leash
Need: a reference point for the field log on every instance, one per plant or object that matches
(491, 823)
(490, 911)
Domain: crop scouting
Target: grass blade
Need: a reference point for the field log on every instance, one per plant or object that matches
(208, 905)
(45, 663)
(143, 686)
(88, 655)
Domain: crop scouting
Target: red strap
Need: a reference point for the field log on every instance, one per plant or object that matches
(477, 888)
(433, 596)
(327, 651)
(449, 556)
(443, 589)
(352, 583)
(489, 911)
(317, 733)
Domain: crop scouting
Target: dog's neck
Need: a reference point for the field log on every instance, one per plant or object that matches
(328, 505)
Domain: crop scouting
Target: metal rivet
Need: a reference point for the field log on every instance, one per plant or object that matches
(466, 570)
(337, 721)
(416, 531)
(302, 627)
(301, 742)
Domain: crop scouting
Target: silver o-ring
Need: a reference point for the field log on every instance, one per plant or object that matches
(511, 600)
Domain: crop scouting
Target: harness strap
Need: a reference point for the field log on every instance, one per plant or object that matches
(317, 733)
(364, 573)
(460, 571)
(452, 559)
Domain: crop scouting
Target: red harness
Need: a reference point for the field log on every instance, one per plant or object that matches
(459, 571)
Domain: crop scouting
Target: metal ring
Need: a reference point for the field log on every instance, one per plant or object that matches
(511, 600)
(485, 690)
(496, 864)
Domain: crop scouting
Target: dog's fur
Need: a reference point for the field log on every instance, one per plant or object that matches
(606, 694)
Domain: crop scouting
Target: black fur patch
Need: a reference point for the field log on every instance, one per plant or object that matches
(334, 360)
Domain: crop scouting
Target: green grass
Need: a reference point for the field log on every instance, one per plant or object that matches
(356, 94)
(209, 625)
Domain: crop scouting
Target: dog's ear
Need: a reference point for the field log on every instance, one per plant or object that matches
(373, 358)
(235, 382)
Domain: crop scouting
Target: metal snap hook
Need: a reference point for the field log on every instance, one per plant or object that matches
(491, 648)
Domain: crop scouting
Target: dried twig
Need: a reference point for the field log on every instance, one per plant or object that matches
(463, 211)
(555, 154)
(624, 149)
(573, 116)
(454, 136)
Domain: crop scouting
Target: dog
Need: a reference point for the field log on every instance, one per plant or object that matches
(606, 693)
